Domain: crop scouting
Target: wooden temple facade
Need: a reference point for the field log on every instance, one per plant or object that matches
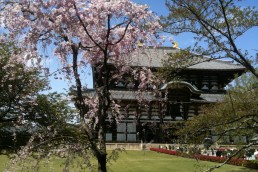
(178, 101)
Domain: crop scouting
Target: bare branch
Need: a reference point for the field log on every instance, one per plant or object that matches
(86, 30)
(125, 30)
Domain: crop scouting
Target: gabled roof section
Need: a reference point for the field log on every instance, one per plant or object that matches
(154, 58)
(181, 84)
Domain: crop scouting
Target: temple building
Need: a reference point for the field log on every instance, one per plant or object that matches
(179, 100)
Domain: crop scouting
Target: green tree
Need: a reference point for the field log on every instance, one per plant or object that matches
(19, 84)
(23, 107)
(49, 112)
(217, 25)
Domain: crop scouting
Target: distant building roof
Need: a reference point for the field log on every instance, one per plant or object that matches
(154, 57)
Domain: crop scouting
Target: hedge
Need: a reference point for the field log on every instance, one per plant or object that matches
(233, 161)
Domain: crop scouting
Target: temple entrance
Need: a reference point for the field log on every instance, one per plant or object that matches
(148, 132)
(178, 101)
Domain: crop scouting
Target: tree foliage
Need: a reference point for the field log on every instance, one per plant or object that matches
(19, 84)
(177, 62)
(217, 25)
(24, 109)
(47, 113)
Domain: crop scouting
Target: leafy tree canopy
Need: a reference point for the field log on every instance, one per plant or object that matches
(24, 109)
(19, 84)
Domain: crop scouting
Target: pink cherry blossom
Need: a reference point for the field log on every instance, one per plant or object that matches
(95, 32)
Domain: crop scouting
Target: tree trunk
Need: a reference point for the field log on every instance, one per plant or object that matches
(102, 162)
(102, 156)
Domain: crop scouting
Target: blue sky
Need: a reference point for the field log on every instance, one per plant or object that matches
(247, 42)
(157, 6)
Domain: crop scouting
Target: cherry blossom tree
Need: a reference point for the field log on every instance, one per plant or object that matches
(82, 32)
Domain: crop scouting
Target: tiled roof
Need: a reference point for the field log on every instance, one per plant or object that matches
(217, 65)
(154, 57)
(149, 57)
(148, 96)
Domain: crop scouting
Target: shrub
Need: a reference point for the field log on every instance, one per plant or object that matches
(233, 161)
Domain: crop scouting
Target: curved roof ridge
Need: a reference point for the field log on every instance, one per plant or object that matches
(191, 87)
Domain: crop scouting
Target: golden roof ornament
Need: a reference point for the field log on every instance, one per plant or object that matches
(175, 45)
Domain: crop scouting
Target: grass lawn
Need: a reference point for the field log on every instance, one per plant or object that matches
(141, 161)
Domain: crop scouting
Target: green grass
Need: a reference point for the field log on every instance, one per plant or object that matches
(140, 161)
